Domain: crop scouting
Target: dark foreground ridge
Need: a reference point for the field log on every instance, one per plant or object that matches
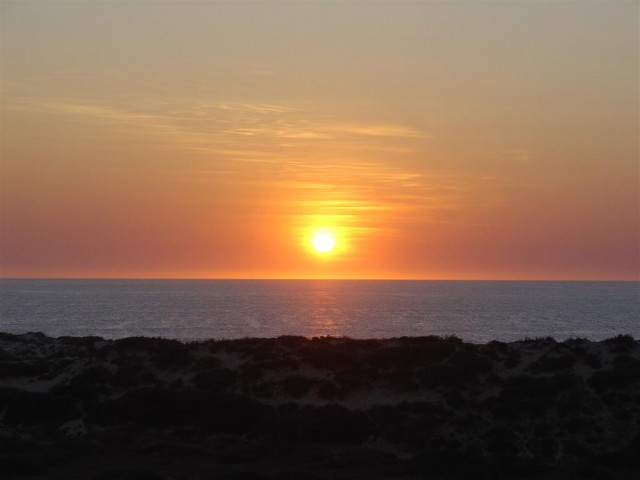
(321, 408)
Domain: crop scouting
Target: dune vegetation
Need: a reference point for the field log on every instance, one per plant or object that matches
(318, 408)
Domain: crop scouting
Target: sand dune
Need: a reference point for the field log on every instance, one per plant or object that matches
(293, 407)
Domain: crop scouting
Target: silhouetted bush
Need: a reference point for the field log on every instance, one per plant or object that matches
(5, 357)
(129, 474)
(296, 386)
(498, 346)
(325, 424)
(554, 362)
(215, 379)
(154, 408)
(410, 424)
(625, 363)
(24, 368)
(89, 383)
(251, 372)
(607, 380)
(621, 343)
(30, 409)
(503, 440)
(470, 363)
(12, 338)
(444, 463)
(325, 356)
(130, 375)
(414, 352)
(513, 360)
(559, 411)
(144, 344)
(592, 360)
(20, 466)
(527, 395)
(368, 344)
(87, 342)
(329, 391)
(163, 353)
(353, 377)
(173, 357)
(206, 363)
(447, 376)
(402, 381)
(291, 341)
(456, 399)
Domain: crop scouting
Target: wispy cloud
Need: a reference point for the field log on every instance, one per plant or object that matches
(216, 128)
(318, 161)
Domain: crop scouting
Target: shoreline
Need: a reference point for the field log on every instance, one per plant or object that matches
(334, 407)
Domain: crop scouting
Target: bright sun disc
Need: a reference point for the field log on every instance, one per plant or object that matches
(323, 242)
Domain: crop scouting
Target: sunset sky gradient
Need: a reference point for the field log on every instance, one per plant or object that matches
(438, 140)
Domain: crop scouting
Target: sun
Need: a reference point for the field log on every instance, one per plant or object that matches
(323, 242)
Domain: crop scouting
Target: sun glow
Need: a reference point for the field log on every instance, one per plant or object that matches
(323, 242)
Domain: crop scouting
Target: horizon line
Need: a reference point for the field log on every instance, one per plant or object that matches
(377, 279)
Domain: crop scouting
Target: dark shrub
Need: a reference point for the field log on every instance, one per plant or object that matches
(411, 424)
(354, 377)
(129, 474)
(456, 400)
(251, 372)
(89, 382)
(618, 380)
(592, 360)
(329, 391)
(499, 346)
(129, 375)
(501, 439)
(38, 409)
(414, 352)
(24, 368)
(368, 344)
(11, 337)
(470, 363)
(444, 463)
(444, 376)
(513, 360)
(21, 466)
(553, 362)
(621, 343)
(172, 357)
(296, 386)
(291, 341)
(279, 363)
(88, 342)
(545, 448)
(218, 379)
(625, 363)
(329, 423)
(528, 395)
(330, 357)
(206, 363)
(402, 381)
(5, 357)
(207, 411)
(165, 354)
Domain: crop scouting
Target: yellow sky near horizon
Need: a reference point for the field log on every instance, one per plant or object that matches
(210, 139)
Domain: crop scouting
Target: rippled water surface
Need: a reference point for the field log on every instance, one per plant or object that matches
(197, 309)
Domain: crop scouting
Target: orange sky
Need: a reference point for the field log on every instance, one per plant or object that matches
(435, 140)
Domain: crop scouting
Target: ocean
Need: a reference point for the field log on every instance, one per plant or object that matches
(475, 311)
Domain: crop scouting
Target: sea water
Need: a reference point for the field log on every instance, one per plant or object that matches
(476, 311)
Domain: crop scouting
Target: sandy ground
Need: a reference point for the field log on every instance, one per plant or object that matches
(294, 407)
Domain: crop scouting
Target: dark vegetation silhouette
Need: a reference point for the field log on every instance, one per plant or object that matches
(292, 407)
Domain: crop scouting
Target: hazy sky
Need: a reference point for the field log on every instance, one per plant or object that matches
(210, 139)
